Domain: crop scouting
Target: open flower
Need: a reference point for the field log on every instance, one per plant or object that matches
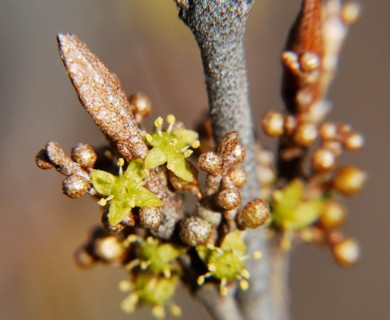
(171, 147)
(125, 191)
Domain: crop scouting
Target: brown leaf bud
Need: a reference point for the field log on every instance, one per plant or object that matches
(84, 155)
(195, 231)
(109, 249)
(349, 180)
(151, 217)
(333, 215)
(255, 214)
(353, 141)
(346, 252)
(210, 162)
(323, 160)
(228, 199)
(273, 124)
(305, 134)
(75, 186)
(140, 106)
(42, 160)
(238, 176)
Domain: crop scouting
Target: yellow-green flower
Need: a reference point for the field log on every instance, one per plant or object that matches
(171, 147)
(125, 191)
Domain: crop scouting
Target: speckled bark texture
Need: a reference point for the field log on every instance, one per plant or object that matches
(218, 27)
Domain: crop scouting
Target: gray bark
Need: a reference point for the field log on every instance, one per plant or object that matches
(218, 27)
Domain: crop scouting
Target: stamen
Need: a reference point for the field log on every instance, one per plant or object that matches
(188, 153)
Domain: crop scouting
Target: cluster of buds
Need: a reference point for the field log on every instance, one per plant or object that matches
(139, 180)
(305, 202)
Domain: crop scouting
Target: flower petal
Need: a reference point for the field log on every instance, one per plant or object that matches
(103, 182)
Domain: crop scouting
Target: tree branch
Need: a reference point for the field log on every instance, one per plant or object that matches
(218, 27)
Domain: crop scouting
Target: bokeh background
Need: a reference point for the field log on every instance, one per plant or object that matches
(152, 51)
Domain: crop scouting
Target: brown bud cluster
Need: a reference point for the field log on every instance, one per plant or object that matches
(77, 182)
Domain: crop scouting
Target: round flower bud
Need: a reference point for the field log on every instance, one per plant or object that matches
(350, 12)
(255, 214)
(328, 131)
(333, 215)
(353, 141)
(150, 217)
(273, 124)
(141, 106)
(236, 157)
(210, 162)
(323, 160)
(349, 180)
(195, 231)
(305, 134)
(238, 176)
(84, 258)
(42, 160)
(84, 155)
(228, 199)
(309, 61)
(109, 249)
(346, 252)
(75, 186)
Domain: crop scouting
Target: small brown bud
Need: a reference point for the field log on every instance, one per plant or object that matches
(195, 230)
(83, 258)
(333, 215)
(150, 217)
(238, 176)
(309, 61)
(349, 180)
(346, 252)
(328, 131)
(255, 214)
(210, 162)
(228, 143)
(236, 157)
(228, 199)
(305, 134)
(109, 249)
(350, 12)
(75, 186)
(42, 160)
(85, 155)
(323, 160)
(140, 105)
(353, 141)
(273, 124)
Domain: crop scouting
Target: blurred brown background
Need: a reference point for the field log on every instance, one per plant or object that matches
(151, 51)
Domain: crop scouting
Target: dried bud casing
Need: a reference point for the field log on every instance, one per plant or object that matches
(195, 231)
(84, 155)
(255, 214)
(210, 162)
(151, 217)
(323, 160)
(273, 124)
(349, 180)
(333, 215)
(75, 186)
(228, 199)
(346, 252)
